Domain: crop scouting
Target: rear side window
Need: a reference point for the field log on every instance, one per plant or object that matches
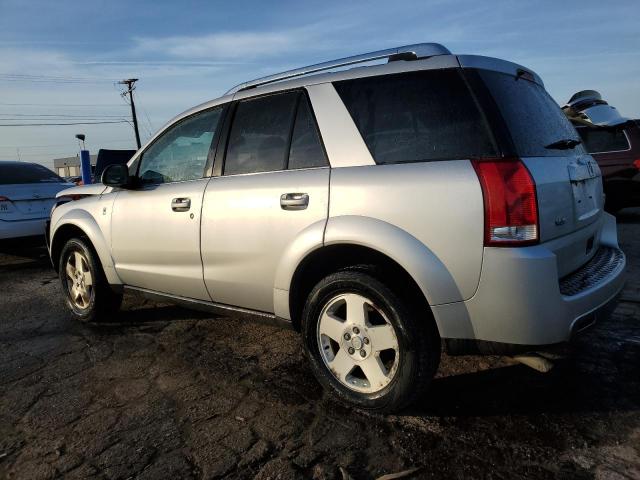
(306, 149)
(259, 138)
(603, 140)
(17, 173)
(533, 119)
(417, 116)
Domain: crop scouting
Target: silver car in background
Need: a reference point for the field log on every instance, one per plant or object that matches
(381, 211)
(27, 194)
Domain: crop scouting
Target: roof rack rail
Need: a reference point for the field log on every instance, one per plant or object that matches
(407, 52)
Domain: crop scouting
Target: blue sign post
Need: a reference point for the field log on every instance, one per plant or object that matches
(85, 166)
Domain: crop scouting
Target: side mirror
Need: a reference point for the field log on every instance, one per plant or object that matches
(116, 175)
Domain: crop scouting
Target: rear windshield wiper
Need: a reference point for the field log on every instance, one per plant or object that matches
(564, 144)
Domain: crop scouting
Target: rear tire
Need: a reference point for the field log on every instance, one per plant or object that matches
(87, 292)
(382, 359)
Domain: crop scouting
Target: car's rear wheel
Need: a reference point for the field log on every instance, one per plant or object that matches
(87, 293)
(366, 344)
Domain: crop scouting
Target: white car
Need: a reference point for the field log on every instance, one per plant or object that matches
(27, 194)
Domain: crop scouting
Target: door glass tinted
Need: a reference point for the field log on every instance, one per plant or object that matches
(181, 152)
(417, 116)
(15, 173)
(531, 116)
(603, 140)
(306, 149)
(259, 137)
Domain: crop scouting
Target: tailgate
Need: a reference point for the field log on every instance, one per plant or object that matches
(528, 124)
(570, 207)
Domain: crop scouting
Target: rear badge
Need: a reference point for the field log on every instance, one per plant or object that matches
(560, 221)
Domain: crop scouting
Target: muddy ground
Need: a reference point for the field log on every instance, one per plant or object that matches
(169, 393)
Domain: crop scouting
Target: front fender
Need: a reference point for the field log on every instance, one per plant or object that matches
(85, 221)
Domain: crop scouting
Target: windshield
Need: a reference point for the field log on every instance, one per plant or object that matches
(534, 120)
(17, 173)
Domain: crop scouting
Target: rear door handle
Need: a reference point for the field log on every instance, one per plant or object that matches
(294, 201)
(181, 204)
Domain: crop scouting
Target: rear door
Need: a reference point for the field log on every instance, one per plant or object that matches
(529, 124)
(273, 186)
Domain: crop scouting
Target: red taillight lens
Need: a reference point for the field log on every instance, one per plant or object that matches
(510, 204)
(4, 199)
(636, 163)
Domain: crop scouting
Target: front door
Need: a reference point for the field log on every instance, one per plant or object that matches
(155, 229)
(274, 187)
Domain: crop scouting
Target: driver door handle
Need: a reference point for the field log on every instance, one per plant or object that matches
(294, 201)
(181, 204)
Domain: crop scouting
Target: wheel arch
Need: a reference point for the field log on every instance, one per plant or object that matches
(357, 240)
(80, 223)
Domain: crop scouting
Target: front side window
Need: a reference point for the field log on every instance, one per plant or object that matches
(597, 140)
(259, 137)
(180, 154)
(417, 116)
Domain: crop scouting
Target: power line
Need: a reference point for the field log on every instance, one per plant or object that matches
(65, 104)
(56, 115)
(55, 124)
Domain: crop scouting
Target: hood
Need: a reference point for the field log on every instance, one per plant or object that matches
(93, 189)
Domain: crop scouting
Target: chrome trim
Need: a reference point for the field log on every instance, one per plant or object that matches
(415, 51)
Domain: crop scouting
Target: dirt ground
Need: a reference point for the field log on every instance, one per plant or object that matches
(169, 393)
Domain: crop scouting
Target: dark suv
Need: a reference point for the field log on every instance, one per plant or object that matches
(613, 141)
(617, 151)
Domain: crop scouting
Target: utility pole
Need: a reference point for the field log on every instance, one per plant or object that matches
(130, 88)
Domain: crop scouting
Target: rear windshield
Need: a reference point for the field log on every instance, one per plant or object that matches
(14, 173)
(417, 116)
(534, 120)
(603, 140)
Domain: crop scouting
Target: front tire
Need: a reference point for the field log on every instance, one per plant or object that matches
(87, 293)
(367, 345)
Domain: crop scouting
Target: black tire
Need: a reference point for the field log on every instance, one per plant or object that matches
(103, 302)
(415, 330)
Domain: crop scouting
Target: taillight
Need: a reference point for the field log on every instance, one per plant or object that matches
(636, 163)
(510, 204)
(4, 199)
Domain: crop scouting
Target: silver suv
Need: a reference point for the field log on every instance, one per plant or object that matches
(380, 211)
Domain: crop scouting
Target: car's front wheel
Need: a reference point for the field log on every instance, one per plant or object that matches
(366, 344)
(87, 293)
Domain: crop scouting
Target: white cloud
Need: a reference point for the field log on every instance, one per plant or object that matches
(230, 45)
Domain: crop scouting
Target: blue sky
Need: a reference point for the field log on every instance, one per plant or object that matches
(63, 58)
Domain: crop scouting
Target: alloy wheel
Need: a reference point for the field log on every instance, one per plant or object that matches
(358, 343)
(79, 280)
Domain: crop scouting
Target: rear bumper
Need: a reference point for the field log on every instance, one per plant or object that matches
(22, 228)
(520, 300)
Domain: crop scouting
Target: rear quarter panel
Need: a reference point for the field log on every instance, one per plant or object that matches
(439, 204)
